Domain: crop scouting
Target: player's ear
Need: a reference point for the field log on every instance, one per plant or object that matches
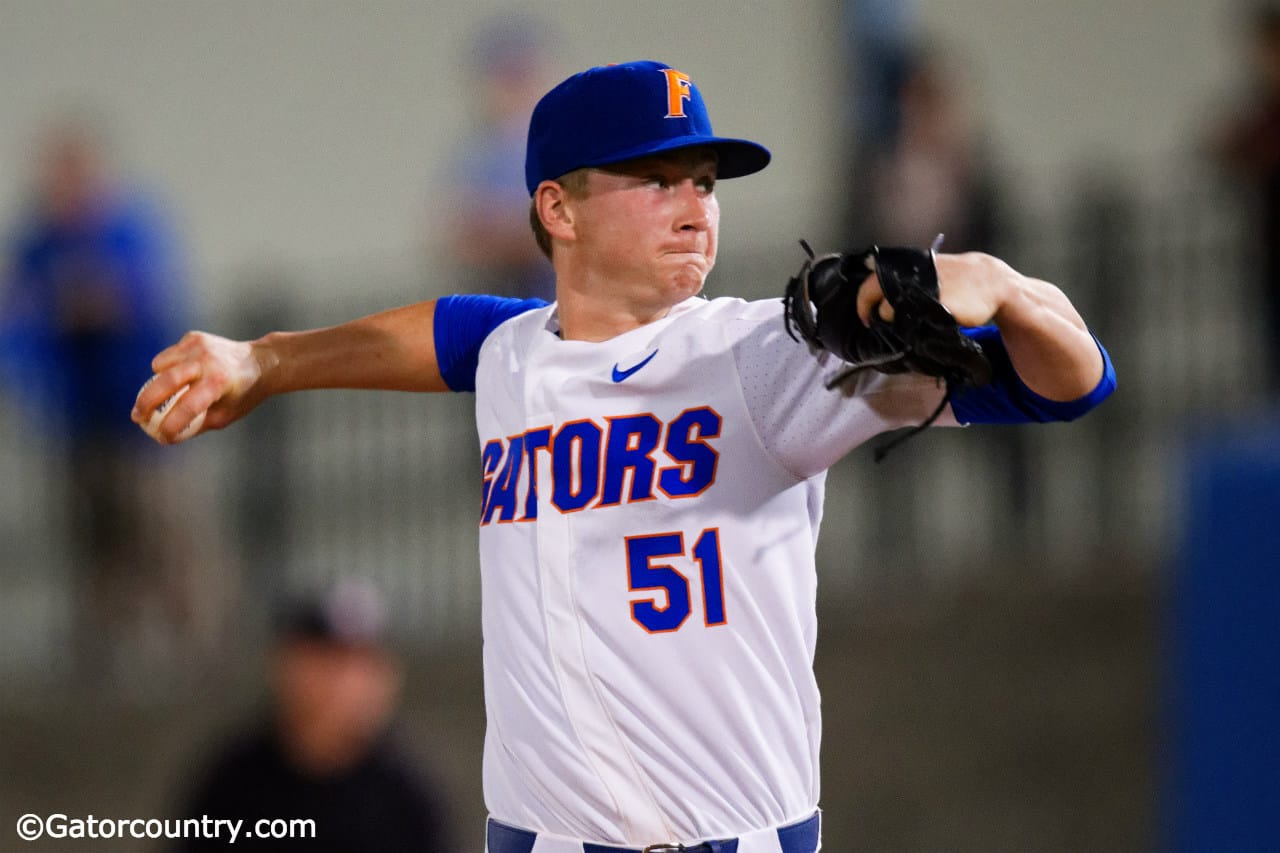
(552, 202)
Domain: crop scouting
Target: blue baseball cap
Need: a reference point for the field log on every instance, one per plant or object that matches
(620, 112)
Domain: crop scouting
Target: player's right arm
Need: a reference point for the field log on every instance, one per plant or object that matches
(427, 346)
(391, 350)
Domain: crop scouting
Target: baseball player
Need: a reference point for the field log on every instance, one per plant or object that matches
(653, 466)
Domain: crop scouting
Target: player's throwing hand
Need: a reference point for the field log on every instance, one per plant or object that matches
(223, 376)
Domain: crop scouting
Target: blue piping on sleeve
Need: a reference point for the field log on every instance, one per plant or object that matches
(461, 324)
(1007, 400)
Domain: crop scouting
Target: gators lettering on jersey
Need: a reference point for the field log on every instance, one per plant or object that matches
(627, 458)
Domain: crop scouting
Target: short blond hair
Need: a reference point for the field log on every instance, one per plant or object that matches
(575, 186)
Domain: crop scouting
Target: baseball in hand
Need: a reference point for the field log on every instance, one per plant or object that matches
(152, 427)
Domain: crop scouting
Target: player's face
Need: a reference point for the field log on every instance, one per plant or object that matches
(651, 225)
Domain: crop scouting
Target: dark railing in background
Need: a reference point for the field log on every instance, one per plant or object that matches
(385, 485)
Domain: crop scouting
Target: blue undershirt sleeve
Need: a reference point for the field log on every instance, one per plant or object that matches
(1006, 400)
(462, 322)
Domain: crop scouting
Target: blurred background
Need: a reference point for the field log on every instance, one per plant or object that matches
(1052, 638)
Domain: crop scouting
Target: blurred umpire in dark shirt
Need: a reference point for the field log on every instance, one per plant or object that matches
(324, 752)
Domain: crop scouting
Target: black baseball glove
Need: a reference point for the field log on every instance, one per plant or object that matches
(820, 306)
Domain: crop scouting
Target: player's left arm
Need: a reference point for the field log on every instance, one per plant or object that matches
(1050, 347)
(1047, 341)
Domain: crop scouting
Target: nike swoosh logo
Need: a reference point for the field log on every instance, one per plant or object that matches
(619, 375)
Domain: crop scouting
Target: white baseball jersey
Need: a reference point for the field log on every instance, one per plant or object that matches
(651, 508)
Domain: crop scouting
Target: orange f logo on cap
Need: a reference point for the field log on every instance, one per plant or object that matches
(677, 92)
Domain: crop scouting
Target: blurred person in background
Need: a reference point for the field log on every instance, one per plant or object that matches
(1248, 144)
(325, 750)
(92, 285)
(879, 35)
(488, 207)
(930, 176)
